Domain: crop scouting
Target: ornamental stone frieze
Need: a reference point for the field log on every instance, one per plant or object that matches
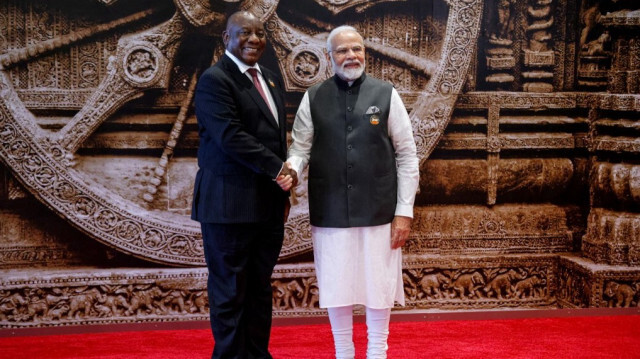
(88, 295)
(475, 282)
(500, 230)
(581, 284)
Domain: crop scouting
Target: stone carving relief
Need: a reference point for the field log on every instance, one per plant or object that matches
(475, 229)
(147, 295)
(582, 285)
(575, 289)
(307, 65)
(612, 237)
(623, 77)
(621, 295)
(295, 294)
(500, 55)
(483, 285)
(464, 284)
(538, 55)
(528, 172)
(609, 52)
(142, 62)
(58, 299)
(524, 47)
(594, 48)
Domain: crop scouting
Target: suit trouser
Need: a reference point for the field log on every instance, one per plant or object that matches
(240, 259)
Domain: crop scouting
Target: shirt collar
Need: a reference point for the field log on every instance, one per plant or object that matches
(241, 65)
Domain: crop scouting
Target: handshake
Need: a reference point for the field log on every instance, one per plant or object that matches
(287, 177)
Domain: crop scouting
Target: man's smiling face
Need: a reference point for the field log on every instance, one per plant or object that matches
(347, 55)
(245, 37)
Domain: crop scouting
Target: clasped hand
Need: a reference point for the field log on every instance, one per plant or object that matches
(287, 178)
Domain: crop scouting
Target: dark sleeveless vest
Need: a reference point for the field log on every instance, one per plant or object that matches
(352, 169)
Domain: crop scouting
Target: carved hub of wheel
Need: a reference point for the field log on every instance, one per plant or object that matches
(429, 72)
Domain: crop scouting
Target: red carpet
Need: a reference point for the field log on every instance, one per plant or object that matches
(557, 338)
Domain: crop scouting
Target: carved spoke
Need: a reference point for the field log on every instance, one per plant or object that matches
(142, 62)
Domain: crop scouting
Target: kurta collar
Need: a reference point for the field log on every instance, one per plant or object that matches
(345, 85)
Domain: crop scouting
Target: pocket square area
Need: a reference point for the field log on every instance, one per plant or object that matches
(372, 109)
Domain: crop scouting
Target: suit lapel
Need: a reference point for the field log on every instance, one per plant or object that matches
(275, 90)
(257, 98)
(271, 84)
(243, 80)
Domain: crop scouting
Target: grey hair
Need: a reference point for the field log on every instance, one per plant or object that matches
(338, 30)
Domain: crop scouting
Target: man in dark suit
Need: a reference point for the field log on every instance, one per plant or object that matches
(241, 124)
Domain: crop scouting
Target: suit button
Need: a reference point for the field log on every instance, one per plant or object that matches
(349, 147)
(349, 167)
(349, 186)
(349, 109)
(349, 128)
(349, 92)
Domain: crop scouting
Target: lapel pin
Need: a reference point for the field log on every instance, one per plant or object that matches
(271, 83)
(374, 119)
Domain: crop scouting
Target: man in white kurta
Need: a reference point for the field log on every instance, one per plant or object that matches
(358, 260)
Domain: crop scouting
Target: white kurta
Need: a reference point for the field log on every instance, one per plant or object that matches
(357, 265)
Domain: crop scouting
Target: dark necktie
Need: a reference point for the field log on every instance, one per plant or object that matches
(256, 83)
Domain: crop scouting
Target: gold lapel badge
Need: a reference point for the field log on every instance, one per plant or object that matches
(271, 83)
(374, 119)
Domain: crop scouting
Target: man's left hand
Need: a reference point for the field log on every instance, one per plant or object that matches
(400, 228)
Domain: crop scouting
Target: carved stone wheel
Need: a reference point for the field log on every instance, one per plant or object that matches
(51, 165)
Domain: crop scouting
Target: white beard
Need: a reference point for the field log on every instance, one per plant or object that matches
(350, 74)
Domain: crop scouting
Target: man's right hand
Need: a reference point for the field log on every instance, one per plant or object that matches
(287, 178)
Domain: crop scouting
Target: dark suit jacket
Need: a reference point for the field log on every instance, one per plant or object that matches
(242, 148)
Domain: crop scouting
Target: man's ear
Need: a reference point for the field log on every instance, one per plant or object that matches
(328, 55)
(225, 38)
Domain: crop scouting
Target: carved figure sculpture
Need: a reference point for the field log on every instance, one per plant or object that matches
(10, 304)
(285, 293)
(314, 300)
(467, 285)
(433, 285)
(597, 46)
(173, 300)
(505, 23)
(140, 62)
(527, 287)
(58, 312)
(83, 302)
(410, 287)
(37, 309)
(7, 311)
(103, 310)
(116, 303)
(311, 296)
(500, 286)
(198, 302)
(589, 19)
(620, 295)
(143, 301)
